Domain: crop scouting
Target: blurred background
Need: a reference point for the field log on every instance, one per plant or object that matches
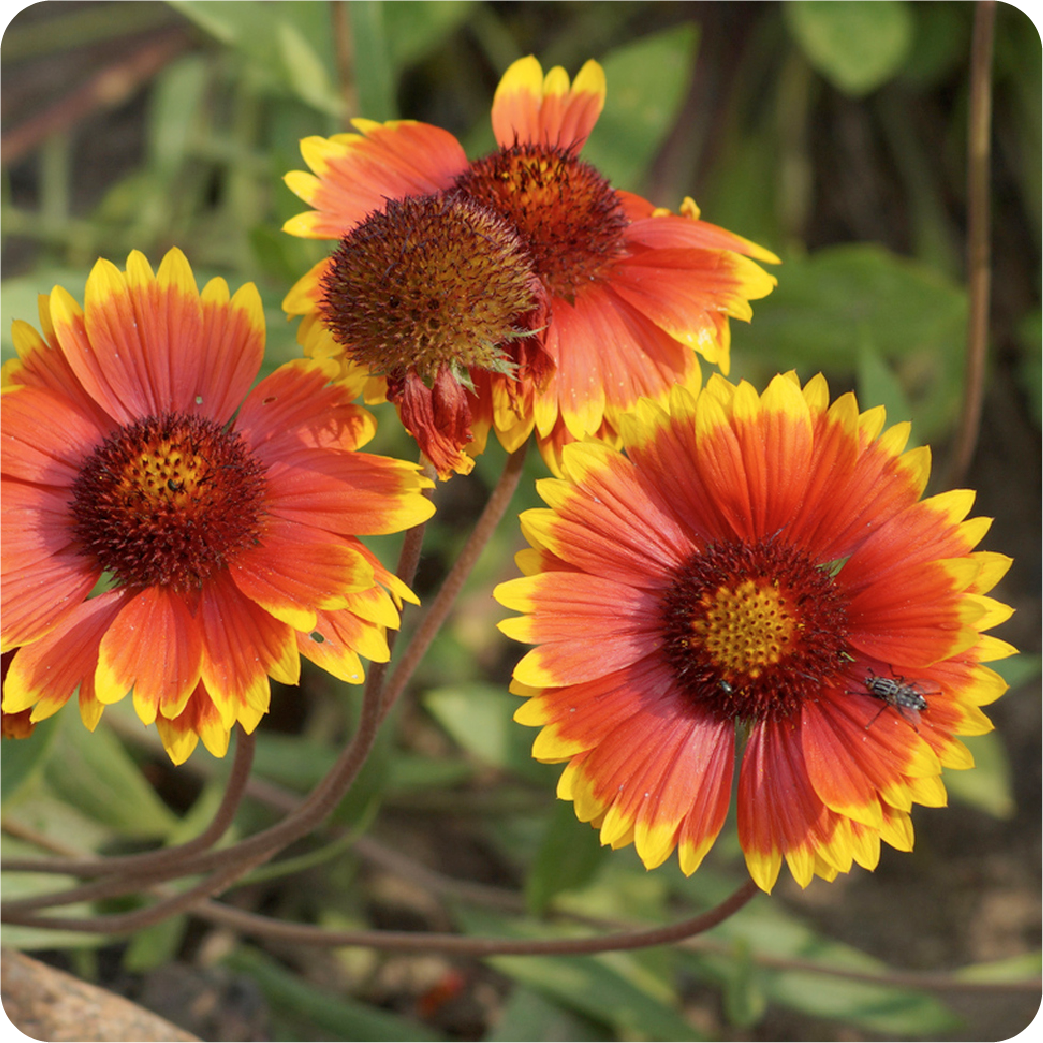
(835, 135)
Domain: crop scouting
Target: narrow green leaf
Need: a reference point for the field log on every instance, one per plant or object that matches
(768, 929)
(176, 99)
(885, 1009)
(371, 55)
(415, 28)
(612, 988)
(29, 885)
(531, 1016)
(568, 858)
(646, 84)
(93, 772)
(307, 71)
(856, 45)
(988, 785)
(23, 759)
(744, 998)
(337, 1017)
(479, 718)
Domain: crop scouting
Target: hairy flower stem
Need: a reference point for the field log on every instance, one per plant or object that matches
(453, 944)
(979, 276)
(411, 941)
(499, 500)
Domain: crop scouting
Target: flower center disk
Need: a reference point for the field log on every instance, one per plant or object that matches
(168, 501)
(568, 214)
(751, 631)
(429, 281)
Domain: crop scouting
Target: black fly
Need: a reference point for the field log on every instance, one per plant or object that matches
(903, 696)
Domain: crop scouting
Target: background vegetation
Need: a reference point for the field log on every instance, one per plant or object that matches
(835, 135)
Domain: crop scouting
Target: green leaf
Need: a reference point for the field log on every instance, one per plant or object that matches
(744, 998)
(568, 858)
(27, 885)
(832, 306)
(988, 785)
(1024, 967)
(93, 772)
(415, 28)
(767, 930)
(856, 45)
(878, 385)
(176, 102)
(337, 1017)
(530, 1016)
(307, 68)
(412, 772)
(884, 1009)
(154, 946)
(479, 718)
(646, 85)
(287, 46)
(371, 56)
(23, 759)
(612, 988)
(19, 298)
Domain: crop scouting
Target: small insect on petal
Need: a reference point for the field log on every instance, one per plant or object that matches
(906, 697)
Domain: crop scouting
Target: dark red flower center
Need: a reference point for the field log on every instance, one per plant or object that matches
(752, 630)
(427, 282)
(569, 216)
(168, 501)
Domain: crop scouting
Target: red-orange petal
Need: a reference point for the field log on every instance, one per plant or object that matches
(46, 673)
(243, 644)
(294, 570)
(358, 173)
(155, 647)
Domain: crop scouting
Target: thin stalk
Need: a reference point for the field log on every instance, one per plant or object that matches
(496, 505)
(979, 275)
(423, 941)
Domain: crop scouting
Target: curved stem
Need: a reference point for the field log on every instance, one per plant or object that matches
(496, 505)
(412, 941)
(979, 276)
(135, 865)
(422, 941)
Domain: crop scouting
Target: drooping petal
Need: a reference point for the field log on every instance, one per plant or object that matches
(154, 647)
(243, 645)
(45, 674)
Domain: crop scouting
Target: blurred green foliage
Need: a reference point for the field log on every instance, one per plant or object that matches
(833, 134)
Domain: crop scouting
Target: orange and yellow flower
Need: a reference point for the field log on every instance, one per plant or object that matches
(632, 290)
(762, 564)
(216, 527)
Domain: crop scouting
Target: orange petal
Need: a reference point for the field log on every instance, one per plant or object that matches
(47, 672)
(357, 173)
(242, 645)
(532, 109)
(295, 570)
(153, 646)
